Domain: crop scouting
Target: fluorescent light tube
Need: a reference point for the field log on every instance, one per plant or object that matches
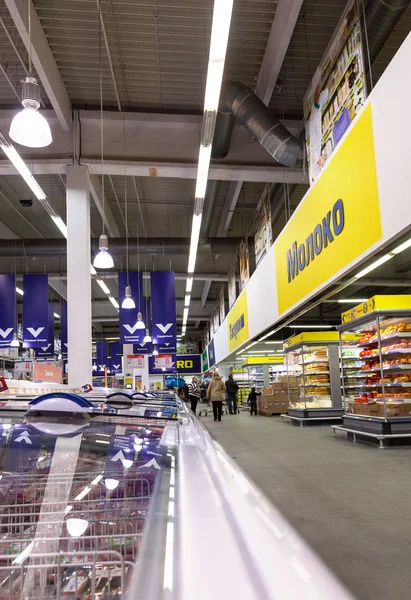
(402, 247)
(189, 285)
(23, 169)
(374, 265)
(57, 316)
(218, 48)
(274, 342)
(204, 157)
(19, 291)
(220, 29)
(311, 326)
(113, 302)
(352, 300)
(187, 300)
(92, 270)
(195, 236)
(103, 286)
(61, 225)
(185, 316)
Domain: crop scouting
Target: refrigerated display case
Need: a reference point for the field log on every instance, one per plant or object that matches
(313, 372)
(112, 506)
(377, 384)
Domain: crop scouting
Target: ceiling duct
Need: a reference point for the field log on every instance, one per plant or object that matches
(239, 100)
(17, 248)
(381, 16)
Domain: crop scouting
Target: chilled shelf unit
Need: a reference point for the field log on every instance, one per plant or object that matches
(377, 383)
(313, 371)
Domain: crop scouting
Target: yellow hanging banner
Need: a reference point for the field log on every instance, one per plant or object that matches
(336, 222)
(237, 321)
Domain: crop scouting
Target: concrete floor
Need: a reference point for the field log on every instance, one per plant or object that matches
(351, 502)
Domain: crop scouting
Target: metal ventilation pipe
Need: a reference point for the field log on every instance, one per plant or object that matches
(381, 16)
(263, 125)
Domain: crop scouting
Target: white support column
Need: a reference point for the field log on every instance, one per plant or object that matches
(78, 275)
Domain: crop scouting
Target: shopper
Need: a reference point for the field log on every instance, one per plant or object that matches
(215, 393)
(252, 398)
(186, 392)
(232, 388)
(194, 394)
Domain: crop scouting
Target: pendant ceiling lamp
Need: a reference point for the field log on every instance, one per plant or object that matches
(147, 337)
(14, 342)
(29, 127)
(140, 323)
(155, 351)
(128, 301)
(103, 259)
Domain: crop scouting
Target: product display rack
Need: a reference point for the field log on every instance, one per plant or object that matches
(313, 371)
(377, 386)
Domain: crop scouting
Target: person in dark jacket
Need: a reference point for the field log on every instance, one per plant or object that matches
(252, 398)
(232, 388)
(194, 394)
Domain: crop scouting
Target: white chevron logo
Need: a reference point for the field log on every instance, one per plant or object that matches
(120, 456)
(164, 328)
(131, 328)
(35, 332)
(151, 463)
(24, 437)
(142, 344)
(166, 343)
(45, 348)
(101, 367)
(116, 367)
(5, 332)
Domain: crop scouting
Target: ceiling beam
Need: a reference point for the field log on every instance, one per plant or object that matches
(6, 233)
(177, 276)
(282, 28)
(255, 173)
(96, 192)
(205, 292)
(43, 59)
(229, 207)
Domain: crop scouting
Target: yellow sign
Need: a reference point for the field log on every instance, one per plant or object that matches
(307, 337)
(336, 222)
(158, 385)
(237, 321)
(264, 360)
(401, 302)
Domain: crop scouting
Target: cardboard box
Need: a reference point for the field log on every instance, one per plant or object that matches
(276, 387)
(269, 390)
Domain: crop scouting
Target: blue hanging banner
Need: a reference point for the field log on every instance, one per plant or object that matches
(211, 353)
(8, 309)
(101, 351)
(129, 334)
(143, 348)
(64, 331)
(163, 310)
(115, 363)
(47, 351)
(35, 310)
(183, 364)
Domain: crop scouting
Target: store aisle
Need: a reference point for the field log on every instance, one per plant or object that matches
(350, 502)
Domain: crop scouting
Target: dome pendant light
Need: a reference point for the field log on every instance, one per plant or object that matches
(128, 301)
(29, 127)
(14, 342)
(140, 323)
(147, 338)
(103, 259)
(155, 351)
